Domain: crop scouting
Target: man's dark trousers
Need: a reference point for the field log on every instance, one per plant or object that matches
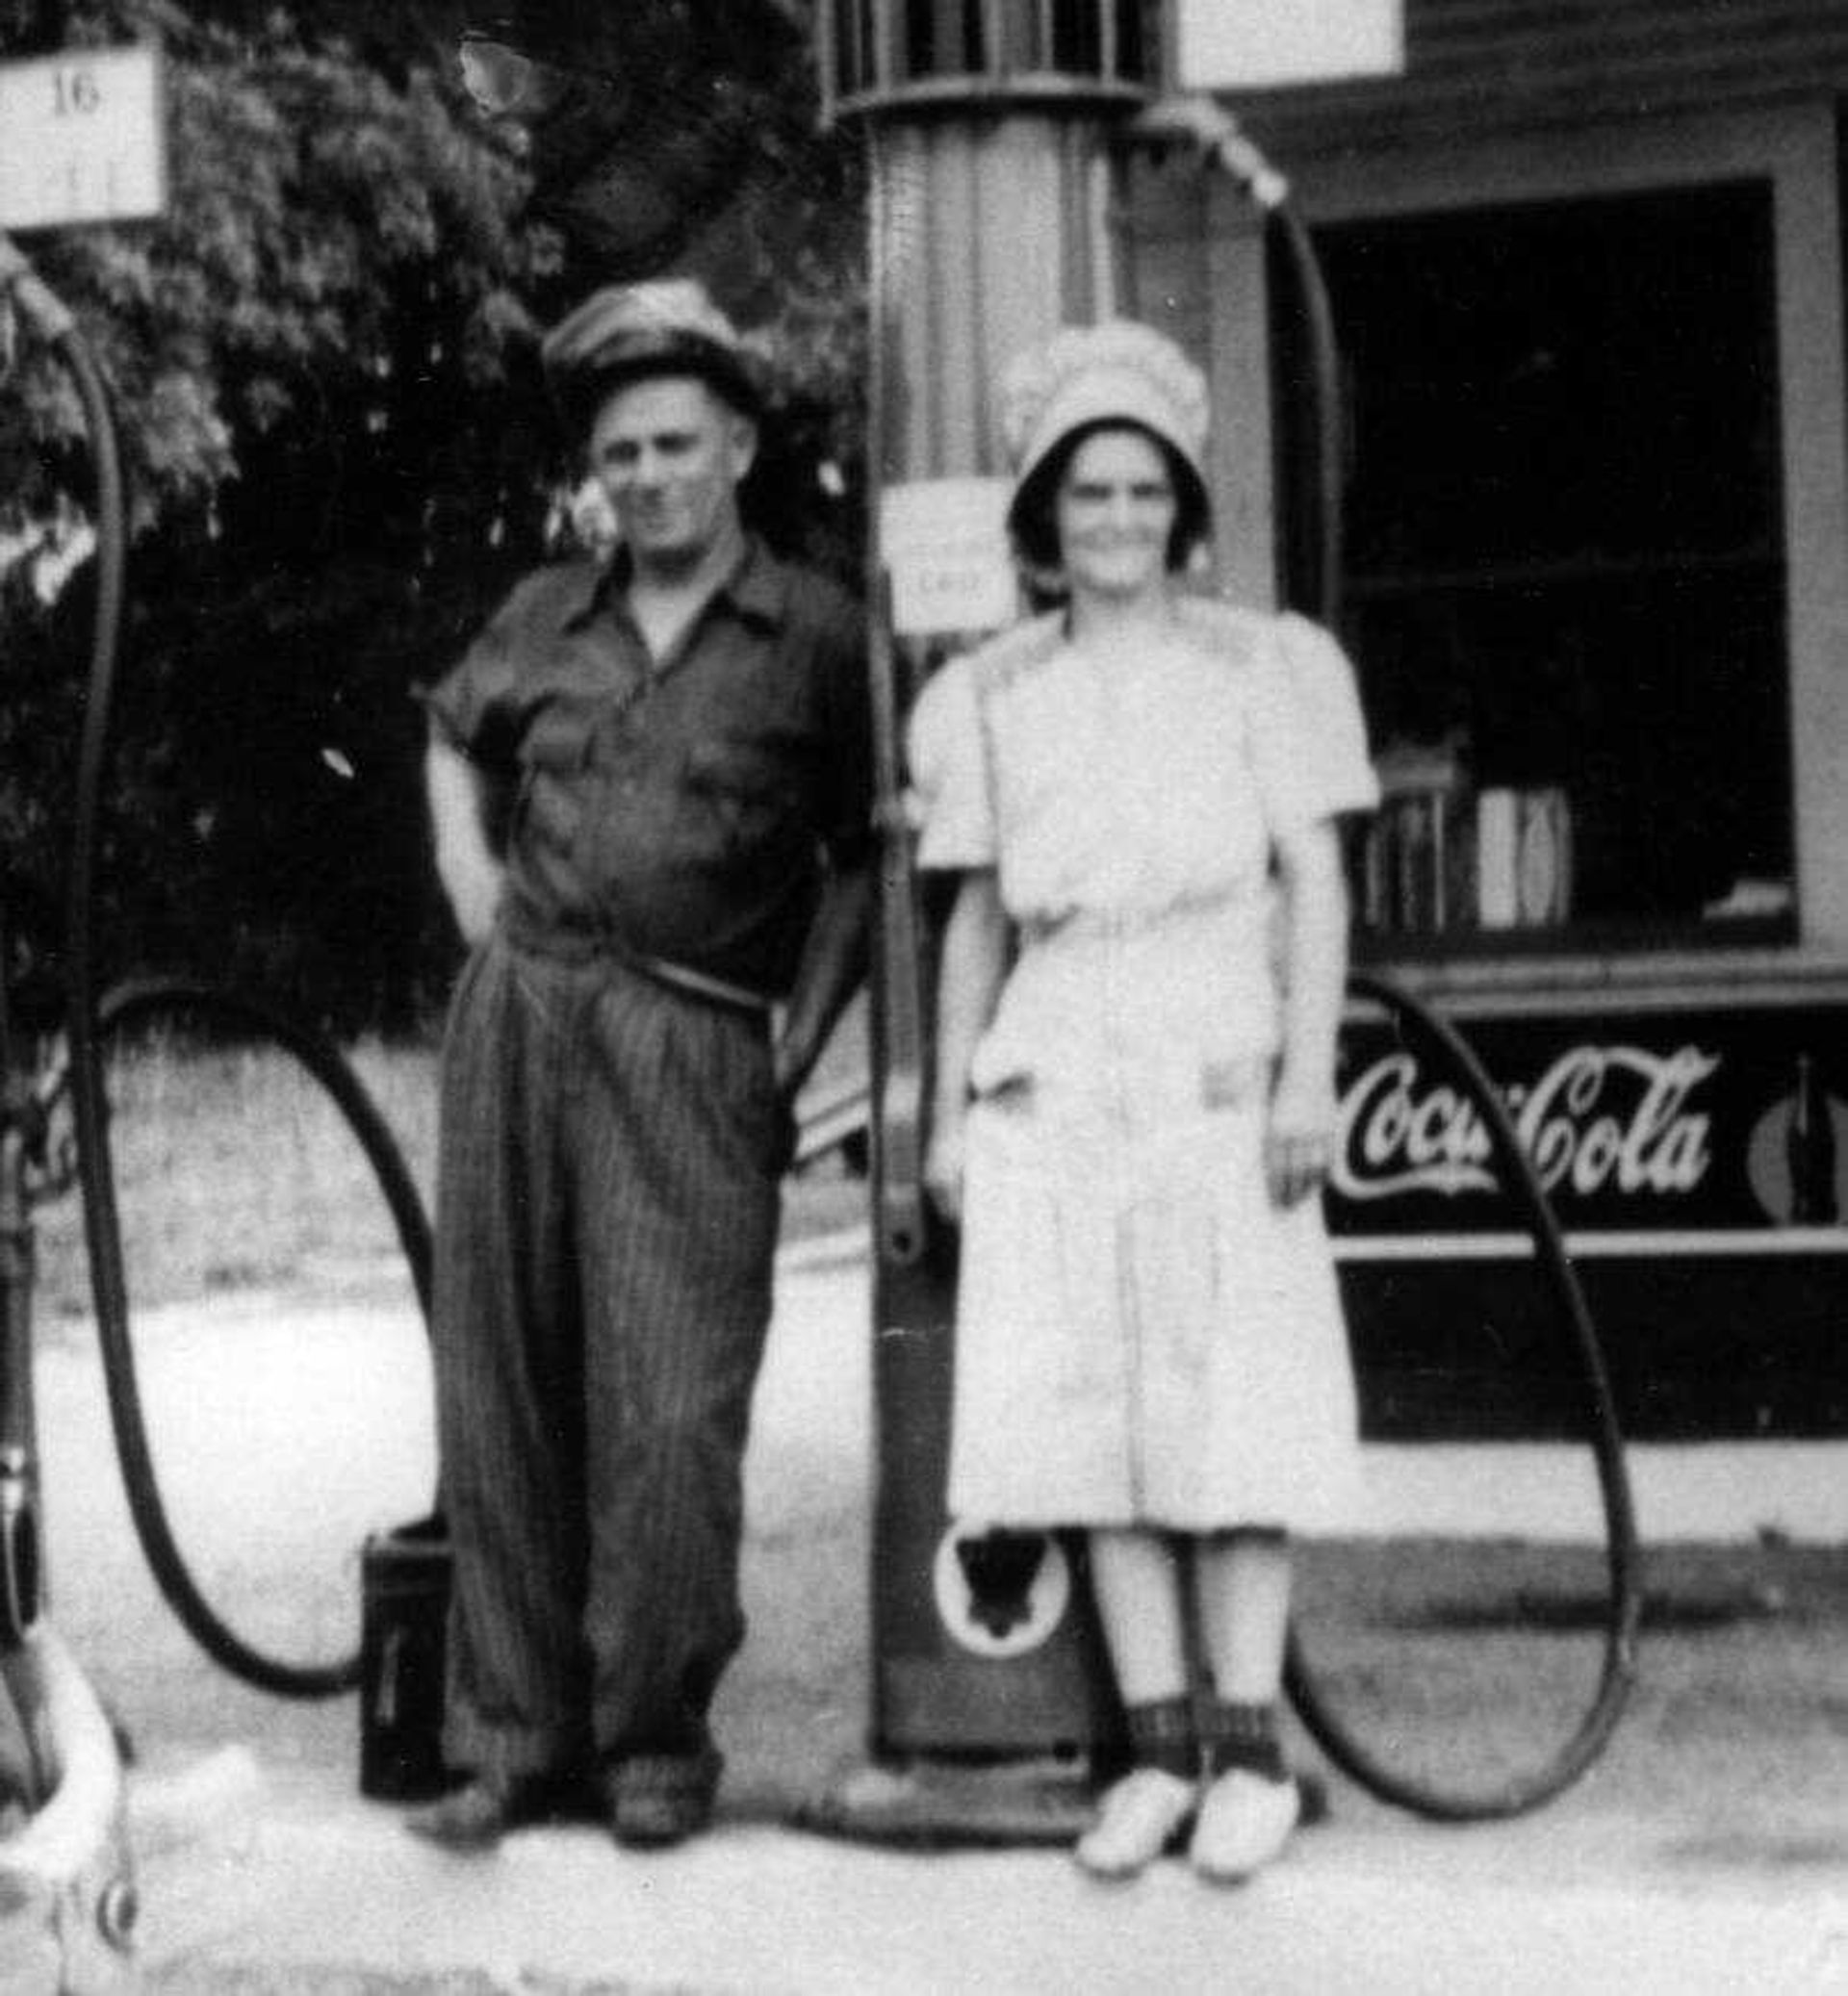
(607, 1218)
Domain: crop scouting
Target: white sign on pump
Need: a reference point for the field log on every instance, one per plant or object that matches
(81, 139)
(943, 543)
(1260, 44)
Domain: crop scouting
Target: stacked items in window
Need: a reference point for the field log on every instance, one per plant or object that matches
(1416, 861)
(1443, 854)
(1522, 858)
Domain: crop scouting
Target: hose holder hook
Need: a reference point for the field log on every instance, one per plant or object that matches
(1195, 120)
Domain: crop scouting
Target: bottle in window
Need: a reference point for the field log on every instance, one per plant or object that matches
(1811, 1142)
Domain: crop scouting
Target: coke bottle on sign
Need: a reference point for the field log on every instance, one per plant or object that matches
(1812, 1146)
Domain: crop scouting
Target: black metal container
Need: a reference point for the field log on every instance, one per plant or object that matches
(404, 1599)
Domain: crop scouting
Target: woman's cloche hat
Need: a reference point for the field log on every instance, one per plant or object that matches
(1117, 371)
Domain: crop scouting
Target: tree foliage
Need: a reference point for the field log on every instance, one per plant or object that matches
(323, 358)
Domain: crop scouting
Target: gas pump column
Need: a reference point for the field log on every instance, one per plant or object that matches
(993, 180)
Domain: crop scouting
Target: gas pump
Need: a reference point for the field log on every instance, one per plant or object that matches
(993, 178)
(67, 1905)
(996, 141)
(81, 140)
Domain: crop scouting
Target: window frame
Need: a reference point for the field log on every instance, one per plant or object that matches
(1795, 150)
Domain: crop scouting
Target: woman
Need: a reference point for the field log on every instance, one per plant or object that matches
(1131, 1118)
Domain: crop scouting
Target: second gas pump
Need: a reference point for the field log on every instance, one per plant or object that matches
(991, 227)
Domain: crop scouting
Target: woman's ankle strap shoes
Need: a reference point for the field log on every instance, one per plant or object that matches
(1245, 1819)
(1241, 1822)
(1138, 1819)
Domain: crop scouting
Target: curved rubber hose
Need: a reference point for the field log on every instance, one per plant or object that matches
(1325, 366)
(101, 1224)
(137, 998)
(124, 1006)
(1623, 1606)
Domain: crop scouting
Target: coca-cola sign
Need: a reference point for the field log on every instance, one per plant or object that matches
(1599, 1115)
(1657, 1118)
(1697, 1156)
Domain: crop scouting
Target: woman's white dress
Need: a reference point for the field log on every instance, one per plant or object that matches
(1142, 1336)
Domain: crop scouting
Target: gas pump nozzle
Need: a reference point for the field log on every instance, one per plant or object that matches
(898, 1105)
(20, 1586)
(1190, 118)
(20, 1591)
(42, 308)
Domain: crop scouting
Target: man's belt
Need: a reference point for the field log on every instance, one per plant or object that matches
(586, 945)
(698, 984)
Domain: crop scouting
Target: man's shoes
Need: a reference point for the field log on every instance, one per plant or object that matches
(1136, 1820)
(478, 1814)
(1245, 1820)
(652, 1821)
(652, 1801)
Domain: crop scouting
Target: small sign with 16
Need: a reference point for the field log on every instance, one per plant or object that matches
(81, 139)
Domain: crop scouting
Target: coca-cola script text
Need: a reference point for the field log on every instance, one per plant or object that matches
(1600, 1116)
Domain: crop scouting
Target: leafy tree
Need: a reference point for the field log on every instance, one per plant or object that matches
(323, 358)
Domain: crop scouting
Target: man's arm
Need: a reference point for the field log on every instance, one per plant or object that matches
(835, 951)
(465, 862)
(833, 962)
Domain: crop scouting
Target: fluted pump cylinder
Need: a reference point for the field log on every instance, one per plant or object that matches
(988, 233)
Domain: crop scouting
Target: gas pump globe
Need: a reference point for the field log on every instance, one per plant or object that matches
(879, 56)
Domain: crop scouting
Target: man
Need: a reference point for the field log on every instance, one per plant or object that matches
(676, 741)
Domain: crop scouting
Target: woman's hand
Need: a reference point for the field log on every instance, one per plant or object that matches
(943, 1168)
(1299, 1139)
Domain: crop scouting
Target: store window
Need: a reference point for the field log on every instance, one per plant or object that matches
(1565, 582)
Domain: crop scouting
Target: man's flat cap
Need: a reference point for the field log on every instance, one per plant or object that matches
(626, 332)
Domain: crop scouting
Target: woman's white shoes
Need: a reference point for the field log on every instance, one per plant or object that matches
(1139, 1817)
(1244, 1822)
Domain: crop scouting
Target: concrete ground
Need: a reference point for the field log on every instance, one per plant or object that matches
(286, 1430)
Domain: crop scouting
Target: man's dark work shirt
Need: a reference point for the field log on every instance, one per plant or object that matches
(684, 808)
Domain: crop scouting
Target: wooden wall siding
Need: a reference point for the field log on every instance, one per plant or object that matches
(1486, 67)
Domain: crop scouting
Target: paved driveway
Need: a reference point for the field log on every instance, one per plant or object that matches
(287, 1429)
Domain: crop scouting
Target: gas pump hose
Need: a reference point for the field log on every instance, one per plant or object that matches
(1431, 1036)
(87, 1018)
(1419, 1024)
(1201, 123)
